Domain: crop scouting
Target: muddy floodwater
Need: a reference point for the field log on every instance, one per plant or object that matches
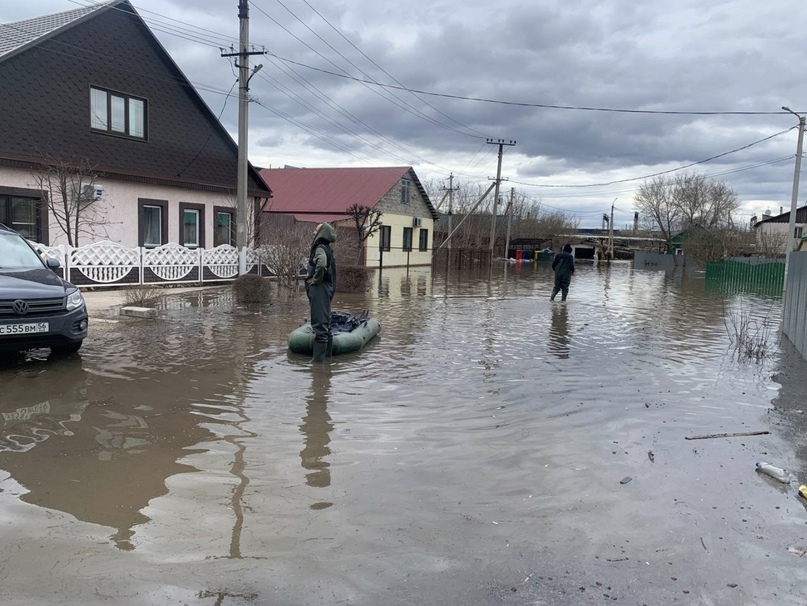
(489, 447)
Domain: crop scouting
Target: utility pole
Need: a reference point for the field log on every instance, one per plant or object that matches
(501, 143)
(794, 201)
(244, 77)
(509, 220)
(610, 253)
(451, 190)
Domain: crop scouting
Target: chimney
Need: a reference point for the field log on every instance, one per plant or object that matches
(635, 221)
(781, 210)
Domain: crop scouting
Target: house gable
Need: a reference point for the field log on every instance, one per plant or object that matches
(46, 105)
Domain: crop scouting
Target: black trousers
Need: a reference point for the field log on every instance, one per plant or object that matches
(562, 282)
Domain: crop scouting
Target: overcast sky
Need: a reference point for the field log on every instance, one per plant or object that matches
(684, 56)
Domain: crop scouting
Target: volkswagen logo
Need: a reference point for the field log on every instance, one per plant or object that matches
(20, 307)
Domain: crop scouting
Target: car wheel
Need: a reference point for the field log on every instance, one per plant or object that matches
(66, 349)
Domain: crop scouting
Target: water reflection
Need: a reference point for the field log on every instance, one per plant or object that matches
(559, 331)
(99, 460)
(316, 428)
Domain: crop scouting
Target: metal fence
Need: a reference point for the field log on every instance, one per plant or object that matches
(794, 321)
(735, 276)
(112, 264)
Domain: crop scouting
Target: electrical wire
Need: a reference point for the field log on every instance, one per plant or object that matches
(212, 130)
(342, 35)
(664, 172)
(416, 91)
(394, 100)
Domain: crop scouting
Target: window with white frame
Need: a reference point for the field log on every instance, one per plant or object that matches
(152, 225)
(117, 113)
(190, 228)
(152, 222)
(224, 228)
(192, 225)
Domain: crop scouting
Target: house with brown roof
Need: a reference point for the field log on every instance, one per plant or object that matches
(316, 195)
(93, 87)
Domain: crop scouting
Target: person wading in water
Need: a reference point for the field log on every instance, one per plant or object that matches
(320, 284)
(563, 264)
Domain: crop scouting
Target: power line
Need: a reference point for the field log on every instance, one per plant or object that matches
(212, 130)
(664, 172)
(416, 91)
(539, 105)
(394, 100)
(334, 28)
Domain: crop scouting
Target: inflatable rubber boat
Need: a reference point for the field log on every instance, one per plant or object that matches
(350, 333)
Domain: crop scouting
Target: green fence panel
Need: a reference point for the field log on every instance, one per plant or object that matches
(733, 276)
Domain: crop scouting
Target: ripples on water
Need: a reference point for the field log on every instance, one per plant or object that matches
(481, 400)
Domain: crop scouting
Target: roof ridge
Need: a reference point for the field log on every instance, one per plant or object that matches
(18, 34)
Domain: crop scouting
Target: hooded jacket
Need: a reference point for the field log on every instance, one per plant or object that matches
(321, 265)
(563, 263)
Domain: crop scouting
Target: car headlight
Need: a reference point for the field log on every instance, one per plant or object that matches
(74, 300)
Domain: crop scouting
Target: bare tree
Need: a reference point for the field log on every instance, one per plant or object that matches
(655, 203)
(703, 201)
(673, 204)
(286, 251)
(770, 244)
(706, 244)
(72, 197)
(367, 221)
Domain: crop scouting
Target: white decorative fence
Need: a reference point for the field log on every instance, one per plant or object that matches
(110, 264)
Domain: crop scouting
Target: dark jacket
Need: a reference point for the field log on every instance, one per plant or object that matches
(321, 264)
(563, 264)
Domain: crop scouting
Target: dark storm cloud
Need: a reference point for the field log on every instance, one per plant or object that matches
(684, 56)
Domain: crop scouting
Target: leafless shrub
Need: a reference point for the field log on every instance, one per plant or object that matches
(287, 249)
(250, 288)
(749, 336)
(142, 295)
(353, 278)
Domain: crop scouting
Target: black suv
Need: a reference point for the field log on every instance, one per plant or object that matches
(37, 307)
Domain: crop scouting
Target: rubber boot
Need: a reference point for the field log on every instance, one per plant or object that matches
(320, 348)
(329, 348)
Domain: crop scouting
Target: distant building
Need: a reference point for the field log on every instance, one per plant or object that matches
(315, 195)
(771, 231)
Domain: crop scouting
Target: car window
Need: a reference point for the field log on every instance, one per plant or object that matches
(16, 254)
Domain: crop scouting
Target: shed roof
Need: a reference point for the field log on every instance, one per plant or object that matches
(308, 192)
(801, 217)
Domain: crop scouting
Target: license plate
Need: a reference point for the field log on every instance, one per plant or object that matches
(24, 329)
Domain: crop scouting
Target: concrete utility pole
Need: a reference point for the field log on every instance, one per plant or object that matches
(509, 220)
(794, 200)
(451, 190)
(244, 77)
(501, 143)
(610, 253)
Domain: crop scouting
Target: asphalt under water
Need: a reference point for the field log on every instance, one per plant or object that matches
(471, 454)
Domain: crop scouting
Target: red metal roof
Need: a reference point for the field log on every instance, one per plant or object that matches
(330, 191)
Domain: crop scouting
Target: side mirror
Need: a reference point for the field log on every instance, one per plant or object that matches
(53, 263)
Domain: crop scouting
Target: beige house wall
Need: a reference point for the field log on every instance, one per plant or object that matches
(399, 213)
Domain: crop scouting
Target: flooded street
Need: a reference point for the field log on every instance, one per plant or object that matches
(472, 454)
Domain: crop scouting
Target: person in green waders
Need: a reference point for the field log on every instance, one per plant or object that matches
(320, 284)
